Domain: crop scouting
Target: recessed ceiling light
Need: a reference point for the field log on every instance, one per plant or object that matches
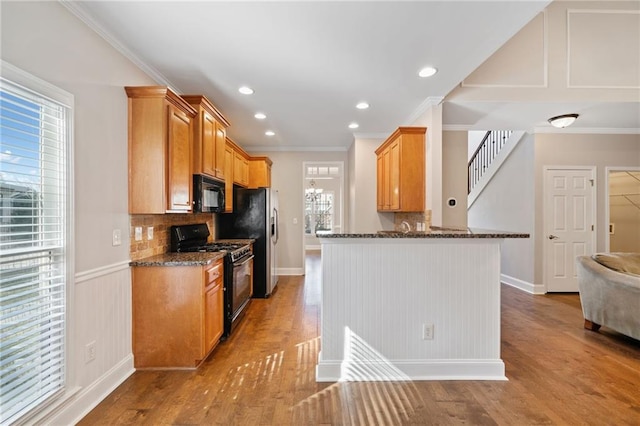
(245, 90)
(354, 125)
(269, 133)
(427, 71)
(362, 105)
(260, 116)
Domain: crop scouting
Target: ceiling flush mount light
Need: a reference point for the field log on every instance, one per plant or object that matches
(269, 133)
(562, 121)
(362, 105)
(354, 125)
(427, 72)
(260, 116)
(246, 90)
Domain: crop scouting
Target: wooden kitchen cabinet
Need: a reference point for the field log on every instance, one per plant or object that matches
(177, 314)
(160, 151)
(260, 172)
(240, 168)
(401, 171)
(228, 181)
(209, 138)
(240, 164)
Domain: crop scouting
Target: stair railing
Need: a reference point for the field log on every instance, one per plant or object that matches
(487, 151)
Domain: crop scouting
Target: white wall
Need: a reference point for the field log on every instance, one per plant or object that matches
(363, 203)
(288, 178)
(474, 139)
(507, 204)
(454, 178)
(432, 120)
(45, 40)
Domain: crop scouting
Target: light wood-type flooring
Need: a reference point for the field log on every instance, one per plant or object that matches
(559, 373)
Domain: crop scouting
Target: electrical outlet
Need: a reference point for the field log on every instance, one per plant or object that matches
(427, 331)
(150, 233)
(90, 352)
(117, 237)
(138, 233)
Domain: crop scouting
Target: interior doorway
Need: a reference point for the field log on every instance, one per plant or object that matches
(623, 209)
(323, 201)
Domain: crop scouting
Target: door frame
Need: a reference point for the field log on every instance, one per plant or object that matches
(607, 216)
(594, 209)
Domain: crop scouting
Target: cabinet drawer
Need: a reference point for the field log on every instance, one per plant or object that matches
(213, 274)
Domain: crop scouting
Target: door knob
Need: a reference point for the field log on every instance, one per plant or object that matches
(552, 237)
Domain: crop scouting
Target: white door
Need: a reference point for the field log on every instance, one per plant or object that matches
(569, 224)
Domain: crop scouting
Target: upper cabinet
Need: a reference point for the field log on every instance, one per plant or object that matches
(260, 172)
(160, 151)
(209, 138)
(401, 171)
(240, 165)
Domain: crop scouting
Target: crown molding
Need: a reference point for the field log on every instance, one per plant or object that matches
(430, 102)
(587, 131)
(79, 12)
(293, 148)
(371, 135)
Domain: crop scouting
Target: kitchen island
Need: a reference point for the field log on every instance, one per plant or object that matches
(411, 306)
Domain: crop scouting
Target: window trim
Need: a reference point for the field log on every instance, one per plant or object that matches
(32, 83)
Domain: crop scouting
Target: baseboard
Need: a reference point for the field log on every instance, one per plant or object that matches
(406, 370)
(313, 247)
(290, 271)
(522, 285)
(74, 409)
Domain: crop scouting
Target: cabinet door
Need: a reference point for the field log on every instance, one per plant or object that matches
(240, 169)
(386, 173)
(228, 181)
(394, 176)
(180, 181)
(220, 146)
(380, 181)
(213, 317)
(208, 144)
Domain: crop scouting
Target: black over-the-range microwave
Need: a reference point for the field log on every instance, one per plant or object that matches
(208, 195)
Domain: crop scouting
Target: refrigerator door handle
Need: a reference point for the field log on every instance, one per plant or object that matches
(274, 227)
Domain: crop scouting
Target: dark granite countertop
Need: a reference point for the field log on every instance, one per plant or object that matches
(179, 259)
(188, 259)
(434, 232)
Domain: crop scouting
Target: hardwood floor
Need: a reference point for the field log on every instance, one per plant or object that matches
(559, 373)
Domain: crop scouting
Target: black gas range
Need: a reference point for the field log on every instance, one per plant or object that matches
(238, 268)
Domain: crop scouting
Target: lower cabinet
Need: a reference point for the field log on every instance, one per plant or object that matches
(177, 314)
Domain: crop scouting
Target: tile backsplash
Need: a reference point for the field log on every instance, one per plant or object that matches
(412, 219)
(161, 238)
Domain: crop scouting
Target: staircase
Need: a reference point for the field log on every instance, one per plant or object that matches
(493, 150)
(487, 151)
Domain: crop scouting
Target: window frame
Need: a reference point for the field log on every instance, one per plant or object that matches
(29, 82)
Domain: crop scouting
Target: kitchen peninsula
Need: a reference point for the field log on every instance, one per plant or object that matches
(411, 306)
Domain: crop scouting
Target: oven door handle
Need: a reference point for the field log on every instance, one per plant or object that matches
(236, 265)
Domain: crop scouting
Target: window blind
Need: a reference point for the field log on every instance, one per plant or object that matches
(33, 138)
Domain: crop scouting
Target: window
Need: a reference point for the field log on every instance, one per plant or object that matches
(34, 200)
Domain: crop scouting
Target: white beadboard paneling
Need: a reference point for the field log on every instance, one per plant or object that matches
(102, 314)
(378, 293)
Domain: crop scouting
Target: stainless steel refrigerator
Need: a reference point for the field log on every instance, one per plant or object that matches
(255, 215)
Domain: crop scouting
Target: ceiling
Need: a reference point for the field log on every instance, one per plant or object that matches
(309, 62)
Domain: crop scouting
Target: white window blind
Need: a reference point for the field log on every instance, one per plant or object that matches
(34, 137)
